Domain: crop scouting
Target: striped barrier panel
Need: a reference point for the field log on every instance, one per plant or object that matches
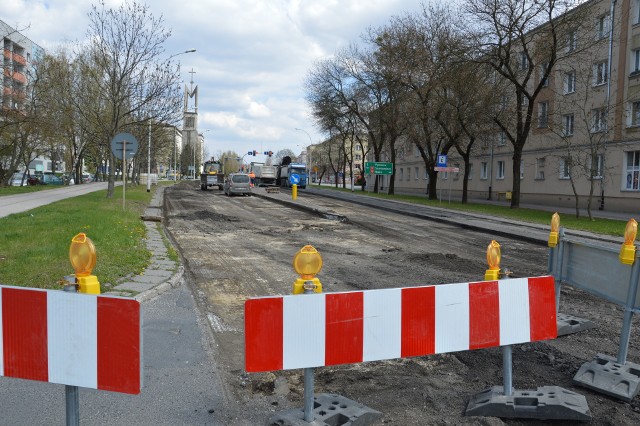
(70, 338)
(314, 330)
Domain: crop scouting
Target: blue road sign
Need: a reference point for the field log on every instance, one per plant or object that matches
(294, 179)
(442, 160)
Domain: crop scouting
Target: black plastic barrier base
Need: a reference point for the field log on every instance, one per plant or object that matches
(545, 403)
(569, 324)
(604, 374)
(328, 410)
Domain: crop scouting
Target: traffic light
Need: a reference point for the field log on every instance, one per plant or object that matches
(270, 153)
(250, 153)
(255, 152)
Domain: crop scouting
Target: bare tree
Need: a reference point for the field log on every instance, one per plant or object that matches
(520, 40)
(135, 84)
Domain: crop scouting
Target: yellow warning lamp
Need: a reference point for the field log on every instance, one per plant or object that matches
(493, 260)
(628, 249)
(82, 254)
(307, 263)
(555, 226)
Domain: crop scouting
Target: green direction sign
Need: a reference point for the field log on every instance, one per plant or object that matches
(378, 168)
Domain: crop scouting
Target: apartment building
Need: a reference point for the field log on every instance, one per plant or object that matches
(586, 126)
(19, 55)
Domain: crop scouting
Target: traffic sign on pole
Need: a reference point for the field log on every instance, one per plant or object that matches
(379, 168)
(124, 146)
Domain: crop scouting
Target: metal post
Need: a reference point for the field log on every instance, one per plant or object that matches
(308, 380)
(507, 366)
(72, 395)
(628, 313)
(124, 179)
(558, 267)
(149, 161)
(175, 155)
(507, 370)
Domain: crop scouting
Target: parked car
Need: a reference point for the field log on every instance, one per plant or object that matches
(18, 179)
(86, 178)
(50, 179)
(237, 183)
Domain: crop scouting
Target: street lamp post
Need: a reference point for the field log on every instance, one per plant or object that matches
(308, 150)
(149, 161)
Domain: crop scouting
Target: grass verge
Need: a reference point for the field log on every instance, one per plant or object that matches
(597, 225)
(34, 245)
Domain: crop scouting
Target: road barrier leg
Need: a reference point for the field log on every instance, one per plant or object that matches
(322, 409)
(615, 376)
(544, 403)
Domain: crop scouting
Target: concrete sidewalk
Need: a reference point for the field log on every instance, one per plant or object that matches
(162, 273)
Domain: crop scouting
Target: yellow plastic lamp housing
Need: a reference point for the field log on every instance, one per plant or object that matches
(493, 260)
(307, 263)
(555, 226)
(628, 250)
(82, 254)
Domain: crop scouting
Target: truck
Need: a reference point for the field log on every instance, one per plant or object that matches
(264, 175)
(212, 175)
(285, 171)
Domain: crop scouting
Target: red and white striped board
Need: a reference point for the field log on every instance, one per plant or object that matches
(71, 338)
(314, 330)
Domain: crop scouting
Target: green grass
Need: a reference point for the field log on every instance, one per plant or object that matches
(34, 246)
(598, 225)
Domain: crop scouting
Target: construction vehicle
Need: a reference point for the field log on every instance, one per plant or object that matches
(264, 175)
(212, 175)
(292, 173)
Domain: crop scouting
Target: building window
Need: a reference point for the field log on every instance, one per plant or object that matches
(569, 82)
(635, 114)
(500, 171)
(572, 41)
(484, 170)
(401, 173)
(602, 27)
(426, 174)
(636, 12)
(565, 168)
(417, 173)
(600, 73)
(540, 168)
(408, 173)
(567, 125)
(358, 157)
(358, 148)
(524, 61)
(502, 138)
(470, 174)
(543, 112)
(521, 169)
(543, 70)
(635, 61)
(632, 171)
(599, 120)
(597, 166)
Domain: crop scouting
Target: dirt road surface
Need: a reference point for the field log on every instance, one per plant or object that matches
(240, 247)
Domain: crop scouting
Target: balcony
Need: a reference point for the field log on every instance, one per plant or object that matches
(19, 59)
(7, 54)
(19, 77)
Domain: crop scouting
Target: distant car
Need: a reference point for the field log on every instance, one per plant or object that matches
(86, 178)
(18, 179)
(237, 183)
(49, 179)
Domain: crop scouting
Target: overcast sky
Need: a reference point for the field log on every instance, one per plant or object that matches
(251, 60)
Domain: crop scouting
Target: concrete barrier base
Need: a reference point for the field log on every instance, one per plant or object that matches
(569, 324)
(328, 410)
(605, 375)
(545, 403)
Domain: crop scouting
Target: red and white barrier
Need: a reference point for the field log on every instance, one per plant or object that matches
(314, 330)
(70, 338)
